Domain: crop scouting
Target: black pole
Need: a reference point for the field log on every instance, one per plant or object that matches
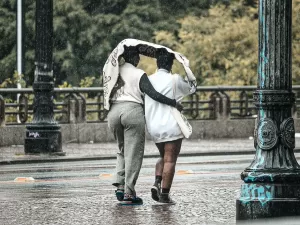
(43, 134)
(271, 187)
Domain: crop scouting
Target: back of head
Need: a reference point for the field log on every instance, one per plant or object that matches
(130, 54)
(164, 59)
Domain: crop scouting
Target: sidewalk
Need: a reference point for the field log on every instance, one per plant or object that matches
(94, 151)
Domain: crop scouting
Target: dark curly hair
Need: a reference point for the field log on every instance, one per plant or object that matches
(130, 53)
(164, 59)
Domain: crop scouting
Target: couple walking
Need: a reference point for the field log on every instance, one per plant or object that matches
(134, 100)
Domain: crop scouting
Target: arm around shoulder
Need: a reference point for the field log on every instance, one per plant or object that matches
(147, 88)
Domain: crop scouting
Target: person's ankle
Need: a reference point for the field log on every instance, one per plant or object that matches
(120, 187)
(165, 190)
(158, 179)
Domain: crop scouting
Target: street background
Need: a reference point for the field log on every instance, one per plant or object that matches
(76, 188)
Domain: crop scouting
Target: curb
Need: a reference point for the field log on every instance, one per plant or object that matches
(113, 156)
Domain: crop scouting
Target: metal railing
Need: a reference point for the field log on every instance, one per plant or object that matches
(79, 105)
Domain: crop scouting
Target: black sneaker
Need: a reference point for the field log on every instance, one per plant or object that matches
(131, 200)
(120, 194)
(155, 191)
(165, 198)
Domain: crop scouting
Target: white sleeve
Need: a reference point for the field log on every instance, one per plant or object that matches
(183, 87)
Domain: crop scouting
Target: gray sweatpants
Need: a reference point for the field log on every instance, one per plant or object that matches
(127, 122)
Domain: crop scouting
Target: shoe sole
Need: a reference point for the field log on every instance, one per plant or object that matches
(155, 193)
(120, 195)
(130, 203)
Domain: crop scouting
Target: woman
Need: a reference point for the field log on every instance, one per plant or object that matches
(162, 126)
(127, 123)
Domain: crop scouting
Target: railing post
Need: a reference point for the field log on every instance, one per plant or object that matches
(218, 108)
(215, 105)
(81, 107)
(225, 106)
(243, 103)
(194, 105)
(72, 110)
(2, 111)
(102, 112)
(71, 103)
(23, 106)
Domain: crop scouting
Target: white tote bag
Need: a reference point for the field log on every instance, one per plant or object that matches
(183, 123)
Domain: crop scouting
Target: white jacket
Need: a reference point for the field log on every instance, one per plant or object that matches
(161, 124)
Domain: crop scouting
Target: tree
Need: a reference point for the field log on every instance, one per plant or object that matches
(7, 33)
(218, 36)
(86, 31)
(296, 43)
(223, 46)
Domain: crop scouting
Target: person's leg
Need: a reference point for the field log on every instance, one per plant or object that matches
(160, 162)
(120, 166)
(114, 124)
(156, 188)
(172, 150)
(134, 143)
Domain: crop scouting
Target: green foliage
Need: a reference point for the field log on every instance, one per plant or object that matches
(65, 85)
(87, 82)
(16, 79)
(86, 31)
(296, 43)
(7, 37)
(218, 36)
(223, 45)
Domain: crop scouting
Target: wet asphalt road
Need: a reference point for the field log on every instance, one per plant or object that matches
(204, 188)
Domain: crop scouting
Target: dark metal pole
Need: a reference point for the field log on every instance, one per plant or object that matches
(271, 187)
(43, 134)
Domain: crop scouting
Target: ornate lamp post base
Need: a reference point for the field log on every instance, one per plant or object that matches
(266, 200)
(43, 139)
(269, 193)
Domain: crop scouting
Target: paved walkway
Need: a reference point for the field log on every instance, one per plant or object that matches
(73, 151)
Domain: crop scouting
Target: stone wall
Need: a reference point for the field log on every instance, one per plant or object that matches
(98, 132)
